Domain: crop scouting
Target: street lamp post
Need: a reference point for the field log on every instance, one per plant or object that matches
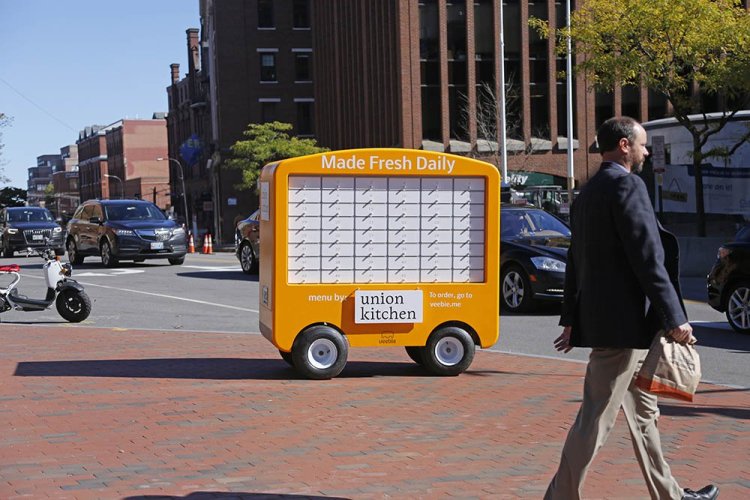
(184, 193)
(122, 186)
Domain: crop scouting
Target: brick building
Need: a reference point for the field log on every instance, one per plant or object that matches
(120, 161)
(257, 65)
(65, 182)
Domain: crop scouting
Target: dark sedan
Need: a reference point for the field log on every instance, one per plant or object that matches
(24, 227)
(729, 281)
(533, 254)
(124, 230)
(247, 243)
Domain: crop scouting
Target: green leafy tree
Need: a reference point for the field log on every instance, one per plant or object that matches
(682, 49)
(266, 143)
(12, 197)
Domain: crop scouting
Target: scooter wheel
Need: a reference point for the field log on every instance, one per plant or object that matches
(73, 305)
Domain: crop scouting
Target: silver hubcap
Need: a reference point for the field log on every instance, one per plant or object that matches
(738, 307)
(105, 254)
(247, 257)
(449, 351)
(513, 289)
(322, 353)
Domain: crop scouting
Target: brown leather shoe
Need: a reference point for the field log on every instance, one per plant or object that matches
(706, 493)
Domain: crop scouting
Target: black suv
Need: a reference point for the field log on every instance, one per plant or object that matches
(24, 227)
(124, 230)
(729, 281)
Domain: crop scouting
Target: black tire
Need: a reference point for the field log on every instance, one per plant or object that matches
(738, 307)
(415, 353)
(8, 252)
(320, 352)
(516, 294)
(248, 260)
(73, 305)
(287, 356)
(73, 255)
(176, 261)
(108, 258)
(449, 351)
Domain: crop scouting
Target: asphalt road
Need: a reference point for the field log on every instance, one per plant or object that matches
(210, 293)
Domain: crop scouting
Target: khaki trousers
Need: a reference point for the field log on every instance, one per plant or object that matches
(609, 386)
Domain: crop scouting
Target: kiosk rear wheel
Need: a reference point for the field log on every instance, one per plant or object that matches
(320, 352)
(415, 353)
(449, 351)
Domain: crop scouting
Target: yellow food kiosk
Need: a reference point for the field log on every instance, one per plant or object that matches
(379, 247)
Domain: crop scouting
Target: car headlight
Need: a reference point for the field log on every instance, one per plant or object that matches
(57, 230)
(124, 232)
(548, 264)
(12, 230)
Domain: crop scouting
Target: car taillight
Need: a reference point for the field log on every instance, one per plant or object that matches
(723, 252)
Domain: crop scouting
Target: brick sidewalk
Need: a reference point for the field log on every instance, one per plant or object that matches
(103, 413)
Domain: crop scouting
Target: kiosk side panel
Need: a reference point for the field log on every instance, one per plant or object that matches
(267, 250)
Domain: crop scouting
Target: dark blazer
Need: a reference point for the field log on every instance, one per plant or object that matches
(618, 292)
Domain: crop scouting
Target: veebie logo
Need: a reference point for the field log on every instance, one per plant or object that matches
(374, 162)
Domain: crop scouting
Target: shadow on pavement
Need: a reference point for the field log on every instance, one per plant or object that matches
(208, 495)
(220, 275)
(721, 339)
(204, 369)
(738, 413)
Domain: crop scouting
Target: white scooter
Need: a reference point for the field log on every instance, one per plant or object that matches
(67, 294)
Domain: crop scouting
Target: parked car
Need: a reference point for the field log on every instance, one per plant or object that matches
(24, 227)
(124, 230)
(533, 255)
(729, 281)
(247, 243)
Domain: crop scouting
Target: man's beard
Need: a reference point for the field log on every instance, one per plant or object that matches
(637, 168)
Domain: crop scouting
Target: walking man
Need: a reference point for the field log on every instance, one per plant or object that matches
(618, 295)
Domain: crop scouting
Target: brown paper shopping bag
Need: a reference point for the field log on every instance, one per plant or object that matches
(670, 369)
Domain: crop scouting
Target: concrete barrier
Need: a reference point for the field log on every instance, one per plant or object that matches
(697, 255)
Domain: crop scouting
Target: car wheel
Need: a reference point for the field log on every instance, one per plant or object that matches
(8, 252)
(320, 352)
(415, 353)
(108, 258)
(247, 258)
(176, 261)
(73, 305)
(449, 351)
(73, 254)
(738, 307)
(515, 290)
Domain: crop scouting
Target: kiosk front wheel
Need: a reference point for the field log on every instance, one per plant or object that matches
(449, 351)
(287, 356)
(320, 352)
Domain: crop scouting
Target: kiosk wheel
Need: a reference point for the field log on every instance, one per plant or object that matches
(415, 353)
(287, 356)
(320, 352)
(449, 351)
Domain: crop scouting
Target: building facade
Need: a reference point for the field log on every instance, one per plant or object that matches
(39, 178)
(65, 183)
(255, 67)
(120, 160)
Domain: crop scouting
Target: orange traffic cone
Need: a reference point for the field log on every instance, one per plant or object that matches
(191, 244)
(205, 243)
(210, 244)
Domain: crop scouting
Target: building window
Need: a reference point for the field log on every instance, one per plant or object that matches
(304, 118)
(265, 14)
(267, 67)
(301, 14)
(429, 51)
(268, 111)
(302, 67)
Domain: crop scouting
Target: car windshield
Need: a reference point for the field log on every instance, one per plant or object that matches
(520, 223)
(30, 215)
(136, 211)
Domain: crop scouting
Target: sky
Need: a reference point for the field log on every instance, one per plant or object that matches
(69, 64)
